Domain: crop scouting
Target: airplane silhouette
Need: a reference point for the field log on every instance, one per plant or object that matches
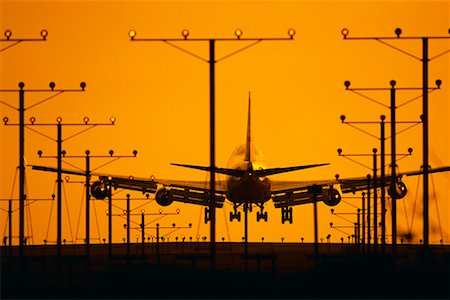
(246, 183)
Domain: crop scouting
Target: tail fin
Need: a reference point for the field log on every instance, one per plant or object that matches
(248, 144)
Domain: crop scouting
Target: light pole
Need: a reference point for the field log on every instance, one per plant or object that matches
(211, 216)
(13, 42)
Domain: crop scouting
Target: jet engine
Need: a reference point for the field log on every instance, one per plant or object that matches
(398, 191)
(163, 197)
(331, 197)
(99, 190)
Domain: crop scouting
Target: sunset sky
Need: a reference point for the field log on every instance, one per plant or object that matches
(160, 97)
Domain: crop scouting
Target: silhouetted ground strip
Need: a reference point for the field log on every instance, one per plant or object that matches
(176, 270)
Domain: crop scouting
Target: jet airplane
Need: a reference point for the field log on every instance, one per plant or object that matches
(247, 183)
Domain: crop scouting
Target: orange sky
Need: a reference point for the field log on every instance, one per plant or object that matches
(160, 97)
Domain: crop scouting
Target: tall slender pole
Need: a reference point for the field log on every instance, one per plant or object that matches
(88, 198)
(393, 165)
(109, 220)
(59, 186)
(425, 139)
(358, 213)
(212, 206)
(375, 198)
(21, 167)
(316, 230)
(383, 181)
(363, 217)
(368, 209)
(158, 258)
(246, 230)
(143, 232)
(10, 224)
(128, 223)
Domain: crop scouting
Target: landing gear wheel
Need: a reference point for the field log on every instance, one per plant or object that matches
(286, 214)
(236, 215)
(261, 215)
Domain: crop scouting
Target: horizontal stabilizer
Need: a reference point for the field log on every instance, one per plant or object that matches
(431, 170)
(225, 171)
(259, 173)
(273, 171)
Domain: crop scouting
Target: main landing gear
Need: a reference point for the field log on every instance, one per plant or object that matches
(236, 215)
(260, 215)
(286, 214)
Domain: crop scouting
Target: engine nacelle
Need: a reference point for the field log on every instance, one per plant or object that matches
(331, 197)
(398, 191)
(163, 197)
(99, 190)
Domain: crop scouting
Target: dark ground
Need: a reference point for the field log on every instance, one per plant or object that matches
(183, 270)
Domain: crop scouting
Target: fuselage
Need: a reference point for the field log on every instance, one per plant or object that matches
(248, 188)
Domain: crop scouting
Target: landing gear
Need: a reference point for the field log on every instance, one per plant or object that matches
(286, 214)
(236, 214)
(207, 216)
(261, 215)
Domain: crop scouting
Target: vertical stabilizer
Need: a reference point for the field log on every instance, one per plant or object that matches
(248, 143)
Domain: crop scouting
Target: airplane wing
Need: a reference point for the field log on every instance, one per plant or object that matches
(166, 190)
(290, 193)
(360, 183)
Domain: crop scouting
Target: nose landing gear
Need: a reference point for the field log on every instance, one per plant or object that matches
(236, 215)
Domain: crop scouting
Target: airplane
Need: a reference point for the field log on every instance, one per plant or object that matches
(247, 183)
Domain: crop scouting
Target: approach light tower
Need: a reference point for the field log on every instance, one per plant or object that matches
(425, 59)
(13, 42)
(212, 62)
(22, 108)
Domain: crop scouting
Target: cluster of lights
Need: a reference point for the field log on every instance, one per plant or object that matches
(397, 31)
(393, 83)
(185, 33)
(59, 120)
(8, 34)
(52, 85)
